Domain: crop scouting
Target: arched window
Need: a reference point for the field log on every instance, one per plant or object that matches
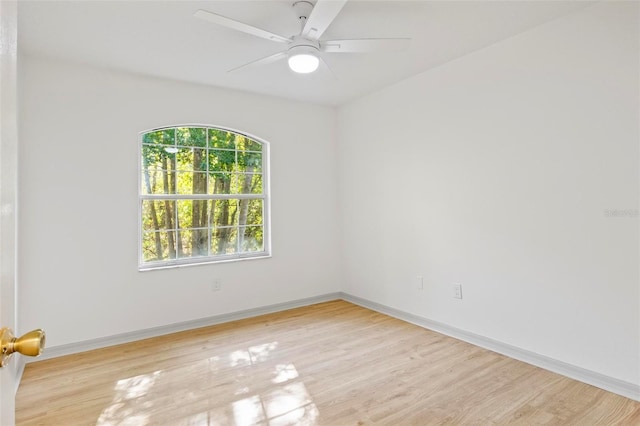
(203, 196)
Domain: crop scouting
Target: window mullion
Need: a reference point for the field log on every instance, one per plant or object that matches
(235, 174)
(175, 189)
(210, 213)
(202, 197)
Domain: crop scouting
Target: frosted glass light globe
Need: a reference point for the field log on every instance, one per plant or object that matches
(304, 63)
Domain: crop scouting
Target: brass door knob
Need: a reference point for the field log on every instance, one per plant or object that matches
(29, 344)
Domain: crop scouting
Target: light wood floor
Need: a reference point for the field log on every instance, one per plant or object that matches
(328, 364)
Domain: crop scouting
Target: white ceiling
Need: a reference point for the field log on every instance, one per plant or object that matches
(163, 39)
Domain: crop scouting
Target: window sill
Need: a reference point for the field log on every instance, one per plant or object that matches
(167, 265)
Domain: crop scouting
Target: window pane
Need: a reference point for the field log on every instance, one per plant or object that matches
(224, 240)
(247, 184)
(191, 159)
(224, 213)
(151, 156)
(184, 243)
(158, 215)
(162, 137)
(243, 143)
(158, 246)
(221, 139)
(193, 242)
(192, 183)
(220, 183)
(193, 213)
(158, 182)
(150, 167)
(249, 162)
(221, 161)
(250, 212)
(191, 136)
(251, 238)
(152, 182)
(157, 157)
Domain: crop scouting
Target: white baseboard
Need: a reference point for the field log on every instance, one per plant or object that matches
(602, 381)
(19, 370)
(133, 336)
(620, 387)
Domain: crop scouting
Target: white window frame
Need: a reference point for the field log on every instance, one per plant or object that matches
(203, 260)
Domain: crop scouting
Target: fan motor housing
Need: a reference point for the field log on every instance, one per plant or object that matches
(300, 42)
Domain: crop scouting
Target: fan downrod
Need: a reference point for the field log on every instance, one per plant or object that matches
(302, 10)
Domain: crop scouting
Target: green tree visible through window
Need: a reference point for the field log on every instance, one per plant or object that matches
(202, 196)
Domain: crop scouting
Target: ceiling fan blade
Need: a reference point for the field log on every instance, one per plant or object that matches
(365, 45)
(262, 61)
(329, 68)
(239, 26)
(322, 15)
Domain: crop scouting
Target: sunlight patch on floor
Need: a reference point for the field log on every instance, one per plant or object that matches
(284, 373)
(248, 411)
(261, 353)
(290, 404)
(121, 411)
(277, 398)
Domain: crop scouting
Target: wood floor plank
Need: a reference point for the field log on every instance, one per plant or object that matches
(332, 363)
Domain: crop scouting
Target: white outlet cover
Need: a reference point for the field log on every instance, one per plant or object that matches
(457, 291)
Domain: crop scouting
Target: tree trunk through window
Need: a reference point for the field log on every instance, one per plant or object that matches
(199, 238)
(154, 214)
(169, 213)
(244, 205)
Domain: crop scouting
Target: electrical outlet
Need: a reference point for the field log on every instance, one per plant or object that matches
(420, 282)
(457, 291)
(216, 285)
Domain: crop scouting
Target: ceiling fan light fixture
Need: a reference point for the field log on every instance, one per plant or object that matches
(303, 59)
(303, 50)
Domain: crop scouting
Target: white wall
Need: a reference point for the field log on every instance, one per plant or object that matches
(78, 202)
(495, 171)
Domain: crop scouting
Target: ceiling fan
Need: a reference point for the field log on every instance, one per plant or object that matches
(303, 50)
